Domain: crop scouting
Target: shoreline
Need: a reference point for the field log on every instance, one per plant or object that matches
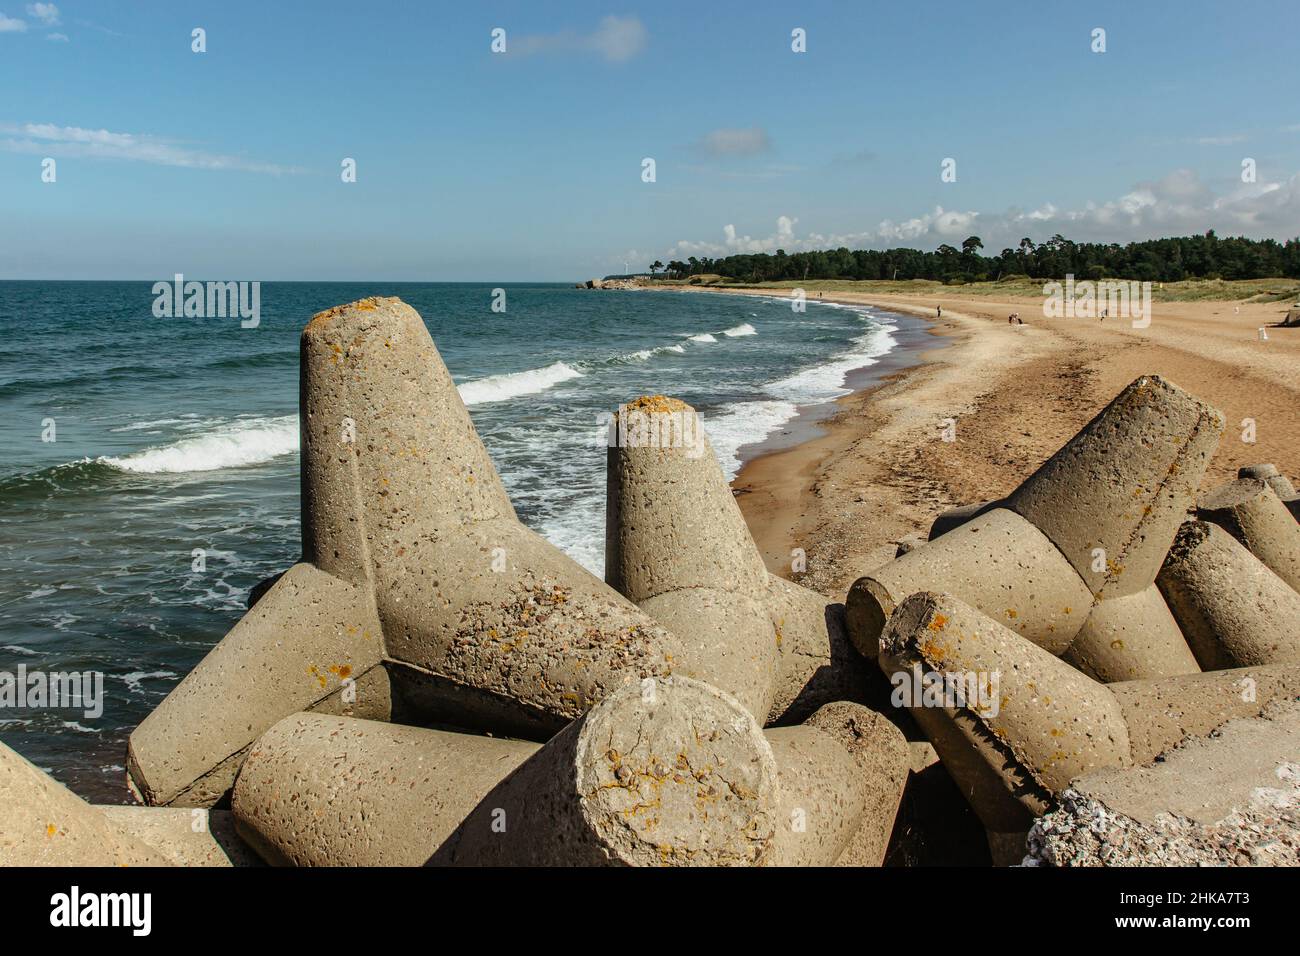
(876, 469)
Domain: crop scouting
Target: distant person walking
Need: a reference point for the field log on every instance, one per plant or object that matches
(938, 312)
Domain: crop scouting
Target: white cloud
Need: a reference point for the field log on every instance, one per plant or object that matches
(1226, 140)
(1178, 204)
(57, 37)
(10, 25)
(46, 13)
(615, 39)
(49, 140)
(736, 142)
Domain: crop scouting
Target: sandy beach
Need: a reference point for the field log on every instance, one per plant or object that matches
(881, 470)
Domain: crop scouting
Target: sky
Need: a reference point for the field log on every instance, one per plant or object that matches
(527, 164)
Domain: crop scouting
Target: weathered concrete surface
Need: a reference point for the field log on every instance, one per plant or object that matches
(677, 544)
(43, 823)
(1252, 512)
(672, 772)
(956, 517)
(1160, 714)
(1232, 799)
(884, 758)
(1269, 474)
(185, 836)
(1130, 638)
(298, 645)
(1039, 724)
(1232, 609)
(998, 563)
(1014, 750)
(335, 791)
(817, 664)
(1123, 485)
(685, 777)
(732, 632)
(413, 557)
(823, 796)
(909, 543)
(671, 522)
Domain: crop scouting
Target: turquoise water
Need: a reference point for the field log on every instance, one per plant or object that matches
(176, 434)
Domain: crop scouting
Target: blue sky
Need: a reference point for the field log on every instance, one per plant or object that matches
(527, 166)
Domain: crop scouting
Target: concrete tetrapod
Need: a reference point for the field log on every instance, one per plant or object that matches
(1269, 474)
(677, 544)
(1109, 503)
(413, 557)
(999, 563)
(668, 771)
(1113, 497)
(185, 836)
(1280, 484)
(1126, 638)
(1233, 609)
(1131, 638)
(956, 517)
(1252, 512)
(884, 759)
(43, 823)
(1014, 725)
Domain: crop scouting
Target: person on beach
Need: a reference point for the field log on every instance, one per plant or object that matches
(938, 312)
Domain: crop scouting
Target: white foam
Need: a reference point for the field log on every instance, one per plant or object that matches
(133, 679)
(743, 424)
(250, 441)
(500, 388)
(703, 337)
(824, 383)
(741, 330)
(674, 348)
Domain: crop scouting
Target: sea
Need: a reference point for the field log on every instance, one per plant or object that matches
(149, 465)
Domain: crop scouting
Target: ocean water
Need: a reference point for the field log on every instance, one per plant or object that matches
(176, 434)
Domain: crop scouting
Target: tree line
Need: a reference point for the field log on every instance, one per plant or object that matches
(1153, 260)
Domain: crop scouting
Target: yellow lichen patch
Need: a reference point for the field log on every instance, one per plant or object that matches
(656, 403)
(938, 622)
(51, 829)
(933, 652)
(1117, 645)
(1011, 613)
